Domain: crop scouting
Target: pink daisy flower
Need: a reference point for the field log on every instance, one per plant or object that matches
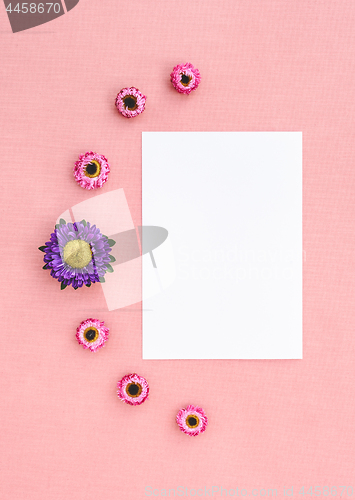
(92, 334)
(91, 170)
(185, 78)
(192, 420)
(133, 389)
(130, 102)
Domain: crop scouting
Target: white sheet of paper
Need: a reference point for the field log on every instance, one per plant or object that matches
(230, 274)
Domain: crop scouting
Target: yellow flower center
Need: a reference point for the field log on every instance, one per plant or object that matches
(91, 334)
(134, 390)
(93, 169)
(192, 421)
(77, 253)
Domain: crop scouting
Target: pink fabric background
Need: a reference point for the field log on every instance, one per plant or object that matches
(265, 65)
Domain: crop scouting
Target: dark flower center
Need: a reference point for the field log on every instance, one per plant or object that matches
(130, 102)
(91, 334)
(134, 390)
(192, 421)
(92, 169)
(185, 80)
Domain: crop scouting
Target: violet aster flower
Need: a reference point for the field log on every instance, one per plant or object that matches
(133, 389)
(185, 78)
(91, 170)
(78, 254)
(192, 420)
(130, 102)
(92, 334)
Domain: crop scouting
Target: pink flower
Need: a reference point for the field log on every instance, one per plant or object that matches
(130, 102)
(185, 78)
(192, 420)
(91, 170)
(133, 389)
(92, 334)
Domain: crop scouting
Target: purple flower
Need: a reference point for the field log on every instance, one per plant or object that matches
(78, 254)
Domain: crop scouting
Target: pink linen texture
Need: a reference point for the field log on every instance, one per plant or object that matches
(268, 65)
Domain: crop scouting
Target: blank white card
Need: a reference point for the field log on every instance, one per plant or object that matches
(227, 279)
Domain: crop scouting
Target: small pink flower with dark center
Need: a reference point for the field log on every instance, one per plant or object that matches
(192, 420)
(185, 78)
(130, 102)
(133, 389)
(92, 334)
(91, 170)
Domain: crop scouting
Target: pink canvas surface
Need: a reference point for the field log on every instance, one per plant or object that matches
(265, 65)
